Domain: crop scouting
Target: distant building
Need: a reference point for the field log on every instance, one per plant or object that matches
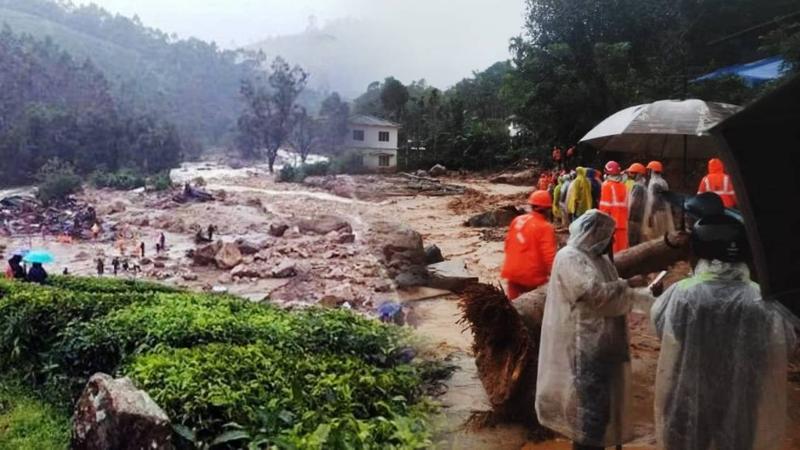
(375, 140)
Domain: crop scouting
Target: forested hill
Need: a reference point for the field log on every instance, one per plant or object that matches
(191, 83)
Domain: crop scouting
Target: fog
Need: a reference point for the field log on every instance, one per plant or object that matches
(348, 43)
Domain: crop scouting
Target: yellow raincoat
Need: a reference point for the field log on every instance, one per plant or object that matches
(579, 198)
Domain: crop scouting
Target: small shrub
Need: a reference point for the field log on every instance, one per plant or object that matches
(106, 285)
(57, 181)
(351, 162)
(159, 182)
(287, 174)
(124, 179)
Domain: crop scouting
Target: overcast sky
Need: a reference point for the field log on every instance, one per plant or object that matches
(477, 31)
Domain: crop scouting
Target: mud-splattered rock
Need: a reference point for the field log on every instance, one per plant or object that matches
(433, 255)
(114, 415)
(228, 256)
(285, 270)
(278, 230)
(205, 255)
(324, 224)
(190, 276)
(248, 247)
(500, 217)
(250, 271)
(451, 276)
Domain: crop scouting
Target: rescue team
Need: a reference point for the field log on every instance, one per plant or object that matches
(713, 326)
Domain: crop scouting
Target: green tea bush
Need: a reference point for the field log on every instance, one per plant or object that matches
(283, 398)
(231, 374)
(106, 285)
(28, 423)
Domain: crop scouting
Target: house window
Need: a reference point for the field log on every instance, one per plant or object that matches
(358, 135)
(384, 160)
(383, 136)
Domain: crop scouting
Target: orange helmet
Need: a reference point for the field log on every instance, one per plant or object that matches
(637, 168)
(613, 168)
(655, 166)
(541, 199)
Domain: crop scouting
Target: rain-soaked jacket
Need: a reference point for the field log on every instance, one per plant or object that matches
(556, 200)
(530, 248)
(583, 387)
(722, 371)
(614, 202)
(597, 186)
(579, 198)
(637, 202)
(718, 182)
(658, 219)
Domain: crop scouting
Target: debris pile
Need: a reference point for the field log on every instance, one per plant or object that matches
(25, 215)
(192, 194)
(371, 187)
(498, 217)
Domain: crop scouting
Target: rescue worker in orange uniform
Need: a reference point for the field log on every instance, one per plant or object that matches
(614, 202)
(718, 182)
(530, 247)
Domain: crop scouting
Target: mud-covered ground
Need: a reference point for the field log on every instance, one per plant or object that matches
(343, 274)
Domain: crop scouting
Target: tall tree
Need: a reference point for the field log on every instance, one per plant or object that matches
(305, 135)
(334, 115)
(394, 97)
(268, 119)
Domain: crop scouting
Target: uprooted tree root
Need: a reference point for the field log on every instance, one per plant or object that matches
(506, 347)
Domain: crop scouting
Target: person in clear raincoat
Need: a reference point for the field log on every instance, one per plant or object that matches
(722, 372)
(583, 389)
(658, 219)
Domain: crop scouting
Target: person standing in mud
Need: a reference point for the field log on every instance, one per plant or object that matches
(722, 372)
(162, 242)
(141, 249)
(101, 267)
(115, 265)
(583, 389)
(211, 230)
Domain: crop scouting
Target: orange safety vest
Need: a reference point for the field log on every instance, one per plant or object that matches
(614, 202)
(530, 250)
(720, 184)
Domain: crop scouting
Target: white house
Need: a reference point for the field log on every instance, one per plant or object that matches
(375, 140)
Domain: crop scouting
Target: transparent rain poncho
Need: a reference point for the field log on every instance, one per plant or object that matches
(722, 372)
(637, 204)
(583, 389)
(658, 219)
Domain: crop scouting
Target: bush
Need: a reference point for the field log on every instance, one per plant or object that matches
(288, 399)
(57, 181)
(27, 423)
(351, 162)
(159, 182)
(124, 179)
(106, 285)
(292, 174)
(223, 368)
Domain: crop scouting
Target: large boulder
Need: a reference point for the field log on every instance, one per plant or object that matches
(248, 247)
(451, 276)
(205, 255)
(438, 170)
(278, 229)
(499, 217)
(228, 256)
(400, 250)
(114, 415)
(324, 224)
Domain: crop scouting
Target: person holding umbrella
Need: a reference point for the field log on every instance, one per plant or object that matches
(614, 202)
(37, 274)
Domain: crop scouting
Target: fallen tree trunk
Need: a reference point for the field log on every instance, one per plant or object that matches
(506, 334)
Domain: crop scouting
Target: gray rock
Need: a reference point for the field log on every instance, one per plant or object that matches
(433, 255)
(248, 247)
(285, 270)
(114, 415)
(438, 170)
(450, 275)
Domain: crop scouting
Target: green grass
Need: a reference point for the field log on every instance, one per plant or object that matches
(27, 423)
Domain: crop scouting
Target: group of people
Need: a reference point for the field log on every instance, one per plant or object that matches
(16, 270)
(713, 326)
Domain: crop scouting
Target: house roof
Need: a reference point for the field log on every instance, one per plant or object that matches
(371, 121)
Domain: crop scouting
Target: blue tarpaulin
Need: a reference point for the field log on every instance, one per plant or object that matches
(752, 73)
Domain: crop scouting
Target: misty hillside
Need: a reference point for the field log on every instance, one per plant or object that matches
(190, 82)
